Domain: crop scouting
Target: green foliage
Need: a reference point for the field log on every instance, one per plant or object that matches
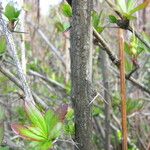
(128, 65)
(11, 12)
(3, 45)
(66, 10)
(128, 8)
(44, 129)
(135, 47)
(96, 111)
(59, 26)
(119, 135)
(34, 65)
(22, 118)
(138, 8)
(134, 105)
(69, 126)
(112, 19)
(97, 20)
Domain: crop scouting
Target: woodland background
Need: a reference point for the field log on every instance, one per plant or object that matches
(44, 54)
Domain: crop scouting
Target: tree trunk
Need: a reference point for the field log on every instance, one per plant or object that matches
(81, 71)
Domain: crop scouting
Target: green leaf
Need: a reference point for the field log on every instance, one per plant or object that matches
(135, 48)
(42, 145)
(11, 12)
(96, 19)
(66, 10)
(140, 7)
(70, 114)
(128, 65)
(70, 127)
(3, 45)
(36, 131)
(54, 125)
(36, 117)
(51, 120)
(59, 26)
(112, 19)
(130, 5)
(56, 131)
(29, 133)
(96, 111)
(134, 105)
(127, 49)
(119, 134)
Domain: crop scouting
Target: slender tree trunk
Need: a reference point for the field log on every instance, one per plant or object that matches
(81, 72)
(123, 89)
(105, 74)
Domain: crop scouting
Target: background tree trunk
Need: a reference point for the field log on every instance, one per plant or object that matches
(81, 71)
(107, 97)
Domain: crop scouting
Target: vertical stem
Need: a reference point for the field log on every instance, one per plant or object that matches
(23, 50)
(105, 74)
(123, 88)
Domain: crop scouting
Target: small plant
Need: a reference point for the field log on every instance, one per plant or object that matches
(12, 14)
(98, 20)
(44, 129)
(127, 9)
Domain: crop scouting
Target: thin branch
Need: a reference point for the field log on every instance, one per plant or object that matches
(15, 80)
(48, 80)
(103, 43)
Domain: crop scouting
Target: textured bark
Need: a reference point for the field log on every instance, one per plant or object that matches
(81, 71)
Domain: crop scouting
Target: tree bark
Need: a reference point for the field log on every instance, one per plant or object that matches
(81, 72)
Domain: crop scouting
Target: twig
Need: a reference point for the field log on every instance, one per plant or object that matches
(98, 95)
(132, 71)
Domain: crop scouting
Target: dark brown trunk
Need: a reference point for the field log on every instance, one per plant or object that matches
(81, 74)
